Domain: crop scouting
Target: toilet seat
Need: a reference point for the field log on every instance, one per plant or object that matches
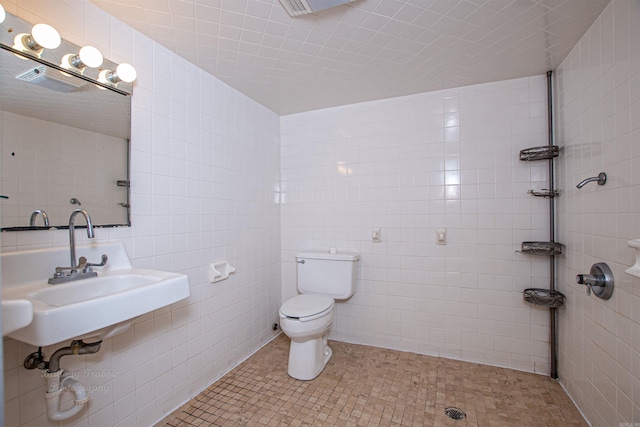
(306, 307)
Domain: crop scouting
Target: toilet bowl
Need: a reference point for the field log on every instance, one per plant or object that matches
(306, 319)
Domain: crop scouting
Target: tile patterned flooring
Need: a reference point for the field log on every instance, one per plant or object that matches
(369, 386)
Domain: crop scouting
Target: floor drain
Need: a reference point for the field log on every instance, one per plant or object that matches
(455, 413)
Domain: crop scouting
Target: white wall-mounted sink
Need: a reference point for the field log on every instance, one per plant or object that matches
(16, 314)
(99, 306)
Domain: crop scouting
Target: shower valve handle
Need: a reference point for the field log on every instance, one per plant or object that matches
(580, 280)
(600, 281)
(590, 280)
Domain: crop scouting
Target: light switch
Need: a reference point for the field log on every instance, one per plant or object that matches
(375, 235)
(441, 236)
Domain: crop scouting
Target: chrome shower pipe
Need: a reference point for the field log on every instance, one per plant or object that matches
(552, 203)
(552, 232)
(601, 179)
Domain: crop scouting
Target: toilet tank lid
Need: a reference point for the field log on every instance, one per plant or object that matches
(340, 256)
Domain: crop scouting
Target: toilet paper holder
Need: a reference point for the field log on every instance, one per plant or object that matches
(220, 270)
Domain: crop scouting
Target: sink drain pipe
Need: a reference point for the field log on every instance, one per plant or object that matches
(59, 381)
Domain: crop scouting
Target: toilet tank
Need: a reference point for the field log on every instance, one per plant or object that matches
(323, 273)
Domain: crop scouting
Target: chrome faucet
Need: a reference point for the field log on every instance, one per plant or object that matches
(34, 215)
(80, 269)
(72, 237)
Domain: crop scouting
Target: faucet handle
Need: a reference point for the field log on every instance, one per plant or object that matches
(82, 261)
(86, 267)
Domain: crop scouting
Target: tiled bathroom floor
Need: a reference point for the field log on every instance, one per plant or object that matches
(368, 386)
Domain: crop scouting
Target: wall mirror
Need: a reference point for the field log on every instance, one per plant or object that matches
(64, 137)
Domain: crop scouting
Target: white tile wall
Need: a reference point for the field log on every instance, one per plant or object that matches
(598, 108)
(45, 164)
(206, 164)
(205, 173)
(410, 165)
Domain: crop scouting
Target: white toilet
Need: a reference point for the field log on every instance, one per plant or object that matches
(307, 318)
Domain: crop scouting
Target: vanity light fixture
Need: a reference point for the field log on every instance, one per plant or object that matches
(42, 36)
(88, 56)
(124, 73)
(42, 43)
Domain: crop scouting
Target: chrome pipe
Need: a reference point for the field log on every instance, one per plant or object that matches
(552, 233)
(601, 179)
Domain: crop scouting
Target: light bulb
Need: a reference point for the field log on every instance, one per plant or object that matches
(126, 72)
(123, 73)
(18, 43)
(46, 36)
(3, 14)
(90, 56)
(42, 36)
(66, 61)
(103, 77)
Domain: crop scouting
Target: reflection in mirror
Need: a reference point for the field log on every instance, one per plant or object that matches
(64, 140)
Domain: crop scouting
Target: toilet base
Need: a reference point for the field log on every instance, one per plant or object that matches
(308, 358)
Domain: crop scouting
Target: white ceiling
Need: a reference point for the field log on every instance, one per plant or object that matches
(365, 50)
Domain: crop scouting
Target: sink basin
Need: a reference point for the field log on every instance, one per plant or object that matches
(16, 314)
(93, 307)
(100, 287)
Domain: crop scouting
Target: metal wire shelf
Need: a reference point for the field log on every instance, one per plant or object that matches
(539, 153)
(544, 297)
(549, 194)
(541, 248)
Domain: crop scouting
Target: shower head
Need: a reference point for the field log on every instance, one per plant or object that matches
(601, 179)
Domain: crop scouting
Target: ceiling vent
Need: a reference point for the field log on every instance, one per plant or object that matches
(303, 7)
(51, 79)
